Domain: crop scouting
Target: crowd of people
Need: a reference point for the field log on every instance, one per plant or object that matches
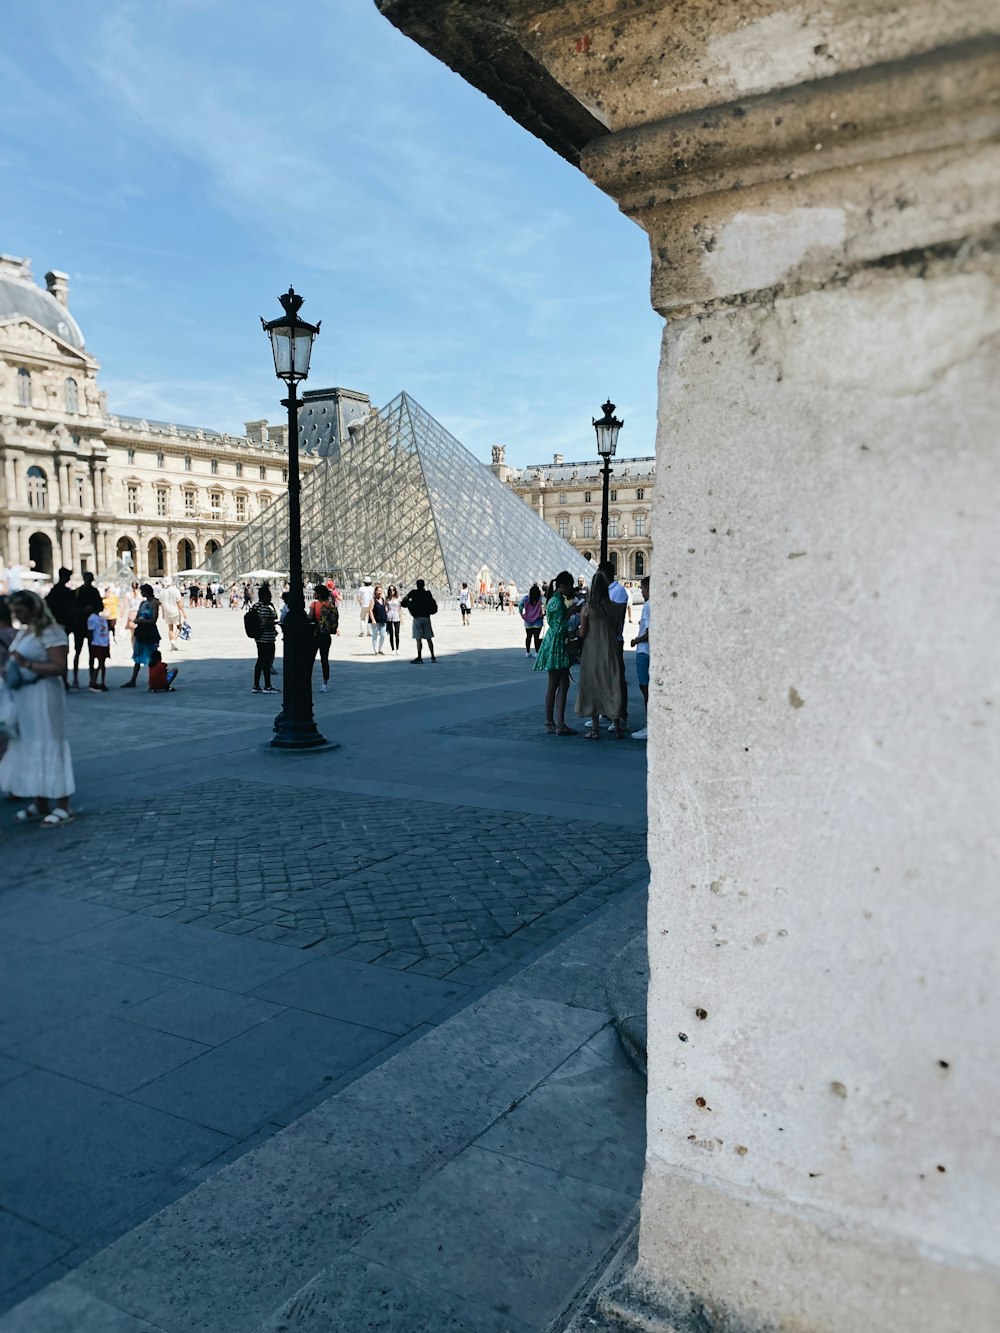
(42, 641)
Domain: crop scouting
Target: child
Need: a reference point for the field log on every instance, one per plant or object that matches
(161, 680)
(99, 640)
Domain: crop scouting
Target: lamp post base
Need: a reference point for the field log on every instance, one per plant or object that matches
(294, 727)
(315, 746)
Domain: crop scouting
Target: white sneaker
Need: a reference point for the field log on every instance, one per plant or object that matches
(611, 726)
(322, 688)
(529, 654)
(640, 735)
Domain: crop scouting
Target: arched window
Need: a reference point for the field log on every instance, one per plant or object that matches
(72, 395)
(38, 488)
(24, 387)
(210, 549)
(640, 564)
(40, 552)
(613, 557)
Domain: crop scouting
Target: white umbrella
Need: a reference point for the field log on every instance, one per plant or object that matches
(258, 575)
(195, 574)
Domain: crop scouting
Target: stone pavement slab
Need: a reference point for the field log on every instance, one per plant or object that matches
(358, 1293)
(107, 1052)
(225, 1090)
(345, 1209)
(534, 1223)
(357, 994)
(75, 1159)
(201, 1013)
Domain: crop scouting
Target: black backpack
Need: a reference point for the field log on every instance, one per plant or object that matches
(251, 623)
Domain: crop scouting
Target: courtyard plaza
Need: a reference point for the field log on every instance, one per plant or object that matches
(321, 1041)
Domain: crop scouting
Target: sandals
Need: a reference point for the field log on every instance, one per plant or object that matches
(550, 728)
(29, 813)
(591, 735)
(566, 731)
(56, 818)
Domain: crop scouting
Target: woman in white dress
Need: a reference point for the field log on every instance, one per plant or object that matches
(38, 765)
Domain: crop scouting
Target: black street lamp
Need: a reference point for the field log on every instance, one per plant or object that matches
(607, 428)
(294, 727)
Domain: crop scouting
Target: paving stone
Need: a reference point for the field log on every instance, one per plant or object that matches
(187, 954)
(11, 1068)
(26, 1249)
(580, 1122)
(202, 1013)
(374, 996)
(107, 1052)
(65, 1308)
(265, 1225)
(236, 1087)
(43, 986)
(541, 1224)
(356, 1293)
(75, 1159)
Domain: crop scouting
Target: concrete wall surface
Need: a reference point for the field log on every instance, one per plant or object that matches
(821, 189)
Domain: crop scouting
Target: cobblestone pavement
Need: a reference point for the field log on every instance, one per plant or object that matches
(406, 884)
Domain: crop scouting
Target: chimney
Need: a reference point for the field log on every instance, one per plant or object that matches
(557, 459)
(58, 285)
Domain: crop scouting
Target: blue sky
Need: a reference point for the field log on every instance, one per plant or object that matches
(185, 162)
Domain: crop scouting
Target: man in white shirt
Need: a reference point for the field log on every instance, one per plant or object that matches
(641, 646)
(170, 604)
(620, 596)
(366, 595)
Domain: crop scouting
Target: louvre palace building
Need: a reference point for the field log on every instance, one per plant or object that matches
(568, 496)
(81, 486)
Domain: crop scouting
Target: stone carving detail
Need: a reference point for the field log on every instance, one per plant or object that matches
(28, 337)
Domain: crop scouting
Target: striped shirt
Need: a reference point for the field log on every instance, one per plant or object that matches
(267, 619)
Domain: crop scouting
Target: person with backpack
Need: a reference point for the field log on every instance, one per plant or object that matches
(532, 609)
(261, 625)
(421, 606)
(325, 616)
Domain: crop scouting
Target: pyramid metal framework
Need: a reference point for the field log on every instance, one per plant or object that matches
(402, 499)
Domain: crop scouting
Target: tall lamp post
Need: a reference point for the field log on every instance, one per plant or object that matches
(294, 727)
(606, 428)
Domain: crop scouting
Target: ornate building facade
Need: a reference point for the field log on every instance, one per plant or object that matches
(80, 486)
(568, 497)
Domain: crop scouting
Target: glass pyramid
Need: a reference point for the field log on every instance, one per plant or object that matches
(402, 499)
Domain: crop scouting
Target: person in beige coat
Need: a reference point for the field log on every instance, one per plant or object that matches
(600, 688)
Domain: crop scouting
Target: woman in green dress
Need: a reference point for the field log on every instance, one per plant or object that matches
(553, 657)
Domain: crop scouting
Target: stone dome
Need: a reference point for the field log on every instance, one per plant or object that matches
(19, 295)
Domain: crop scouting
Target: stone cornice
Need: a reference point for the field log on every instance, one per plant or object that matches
(947, 98)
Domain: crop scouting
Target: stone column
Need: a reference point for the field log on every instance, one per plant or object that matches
(819, 185)
(10, 479)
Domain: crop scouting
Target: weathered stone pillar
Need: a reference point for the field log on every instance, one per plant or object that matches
(820, 188)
